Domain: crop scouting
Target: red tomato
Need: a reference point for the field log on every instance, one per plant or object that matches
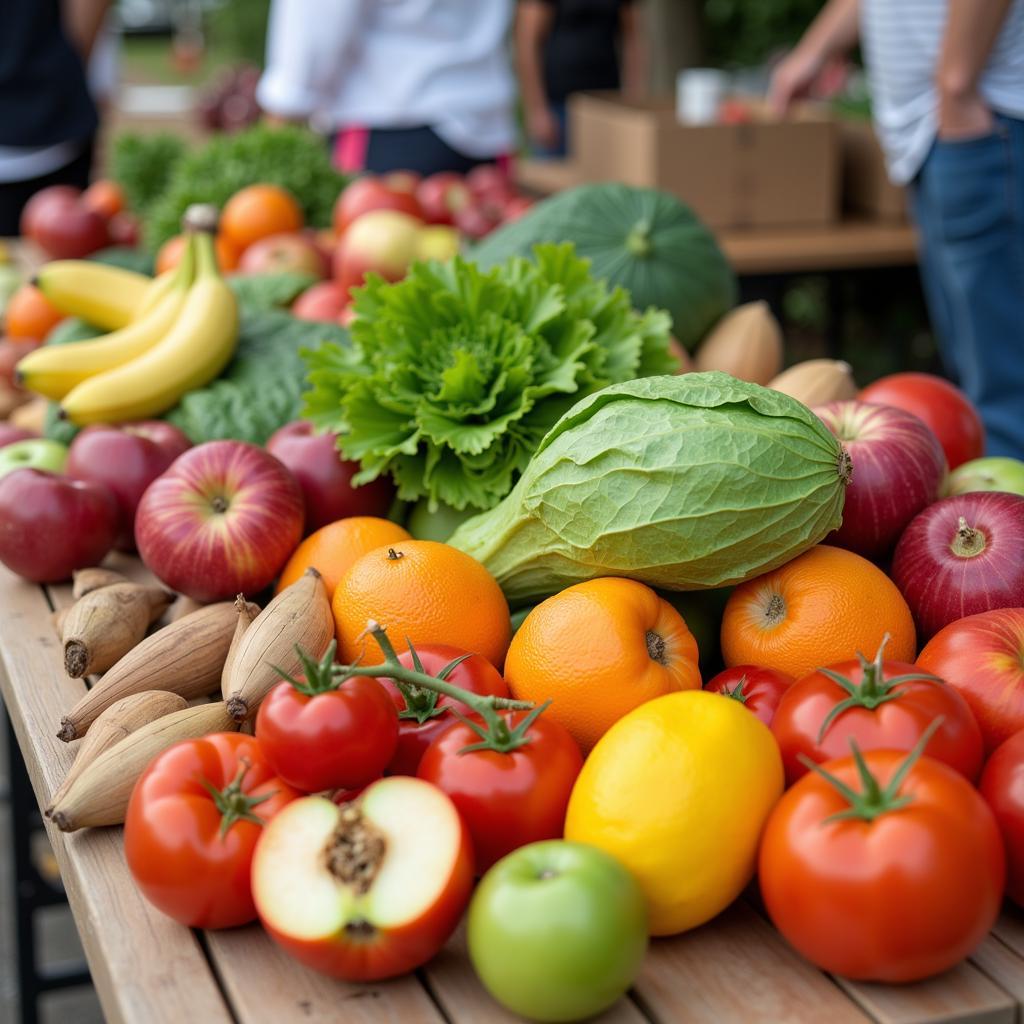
(901, 889)
(1002, 785)
(983, 657)
(879, 711)
(420, 723)
(758, 689)
(321, 735)
(506, 799)
(941, 405)
(192, 824)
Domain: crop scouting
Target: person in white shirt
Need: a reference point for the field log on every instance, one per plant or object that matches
(421, 85)
(947, 89)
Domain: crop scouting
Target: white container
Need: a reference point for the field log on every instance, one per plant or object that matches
(699, 93)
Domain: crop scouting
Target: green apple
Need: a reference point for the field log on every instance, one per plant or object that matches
(557, 931)
(36, 453)
(996, 473)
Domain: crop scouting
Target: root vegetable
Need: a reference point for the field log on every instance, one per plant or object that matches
(119, 720)
(746, 342)
(299, 615)
(105, 624)
(246, 614)
(99, 796)
(57, 619)
(85, 581)
(817, 381)
(182, 607)
(185, 657)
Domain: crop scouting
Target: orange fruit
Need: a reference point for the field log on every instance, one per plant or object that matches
(170, 253)
(106, 197)
(424, 592)
(824, 606)
(597, 650)
(258, 211)
(333, 548)
(30, 314)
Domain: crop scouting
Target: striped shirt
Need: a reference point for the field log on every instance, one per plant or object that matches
(902, 40)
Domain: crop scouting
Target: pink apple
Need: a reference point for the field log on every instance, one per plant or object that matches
(67, 231)
(9, 434)
(127, 458)
(441, 195)
(489, 183)
(221, 521)
(326, 478)
(50, 526)
(475, 222)
(516, 207)
(322, 302)
(277, 254)
(369, 193)
(382, 241)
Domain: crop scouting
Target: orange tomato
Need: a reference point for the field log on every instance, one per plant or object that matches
(824, 606)
(106, 197)
(599, 649)
(30, 314)
(258, 211)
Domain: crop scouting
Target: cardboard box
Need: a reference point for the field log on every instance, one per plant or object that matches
(765, 173)
(866, 185)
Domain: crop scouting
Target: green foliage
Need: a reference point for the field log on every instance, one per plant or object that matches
(269, 291)
(143, 165)
(126, 258)
(239, 27)
(289, 156)
(745, 33)
(456, 374)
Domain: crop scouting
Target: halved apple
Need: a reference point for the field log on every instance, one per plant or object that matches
(369, 889)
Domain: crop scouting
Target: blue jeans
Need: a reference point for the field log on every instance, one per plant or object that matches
(968, 201)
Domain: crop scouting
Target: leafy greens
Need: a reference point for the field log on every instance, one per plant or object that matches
(455, 374)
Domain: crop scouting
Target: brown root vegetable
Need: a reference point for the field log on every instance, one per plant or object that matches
(121, 719)
(185, 657)
(299, 615)
(85, 581)
(31, 416)
(817, 381)
(182, 607)
(105, 624)
(99, 796)
(746, 342)
(246, 614)
(57, 619)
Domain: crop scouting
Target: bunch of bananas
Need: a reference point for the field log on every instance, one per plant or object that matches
(170, 335)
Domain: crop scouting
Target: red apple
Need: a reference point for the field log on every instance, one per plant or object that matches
(124, 229)
(10, 434)
(475, 222)
(325, 241)
(56, 197)
(221, 521)
(69, 231)
(347, 316)
(127, 458)
(961, 556)
(441, 195)
(370, 193)
(323, 302)
(369, 890)
(983, 657)
(898, 469)
(516, 207)
(488, 182)
(402, 181)
(50, 526)
(941, 405)
(326, 478)
(382, 241)
(278, 254)
(12, 350)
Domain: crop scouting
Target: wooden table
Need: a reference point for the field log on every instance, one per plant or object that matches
(149, 970)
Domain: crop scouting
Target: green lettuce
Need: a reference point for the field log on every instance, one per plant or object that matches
(456, 374)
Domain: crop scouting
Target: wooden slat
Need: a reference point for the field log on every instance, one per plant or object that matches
(264, 984)
(1002, 964)
(145, 967)
(457, 988)
(738, 968)
(1009, 928)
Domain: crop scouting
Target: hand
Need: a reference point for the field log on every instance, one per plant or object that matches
(542, 127)
(793, 78)
(963, 116)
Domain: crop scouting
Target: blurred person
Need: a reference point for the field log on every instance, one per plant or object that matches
(420, 85)
(48, 121)
(567, 46)
(947, 89)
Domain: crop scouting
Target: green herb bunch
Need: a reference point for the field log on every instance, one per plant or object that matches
(456, 374)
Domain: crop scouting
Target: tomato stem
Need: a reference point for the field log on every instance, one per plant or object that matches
(736, 693)
(234, 804)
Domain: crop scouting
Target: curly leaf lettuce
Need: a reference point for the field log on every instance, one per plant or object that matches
(456, 374)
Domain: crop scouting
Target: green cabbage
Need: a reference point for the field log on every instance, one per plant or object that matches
(684, 483)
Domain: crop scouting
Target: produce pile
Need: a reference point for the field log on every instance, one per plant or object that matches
(535, 618)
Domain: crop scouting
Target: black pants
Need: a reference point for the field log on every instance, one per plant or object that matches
(15, 194)
(415, 149)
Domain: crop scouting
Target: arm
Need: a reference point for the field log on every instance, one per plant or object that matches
(832, 33)
(635, 76)
(533, 23)
(972, 27)
(82, 22)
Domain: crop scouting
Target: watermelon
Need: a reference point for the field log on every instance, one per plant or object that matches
(642, 239)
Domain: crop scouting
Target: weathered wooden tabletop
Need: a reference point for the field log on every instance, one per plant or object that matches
(149, 970)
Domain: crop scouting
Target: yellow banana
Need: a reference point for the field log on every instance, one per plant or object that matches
(194, 351)
(53, 370)
(108, 297)
(156, 289)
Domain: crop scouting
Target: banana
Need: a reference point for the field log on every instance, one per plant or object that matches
(108, 297)
(54, 370)
(193, 352)
(156, 289)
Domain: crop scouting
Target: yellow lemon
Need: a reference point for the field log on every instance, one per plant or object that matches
(679, 790)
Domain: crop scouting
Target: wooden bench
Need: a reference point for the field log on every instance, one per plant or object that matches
(149, 970)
